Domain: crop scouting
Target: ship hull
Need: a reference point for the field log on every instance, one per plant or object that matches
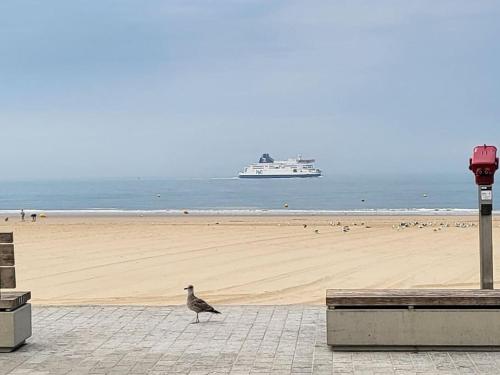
(279, 176)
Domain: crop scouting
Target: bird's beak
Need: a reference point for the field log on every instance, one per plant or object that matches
(185, 288)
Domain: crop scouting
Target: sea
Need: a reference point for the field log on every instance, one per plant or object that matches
(328, 195)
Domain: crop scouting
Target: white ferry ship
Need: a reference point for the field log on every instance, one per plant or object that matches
(267, 167)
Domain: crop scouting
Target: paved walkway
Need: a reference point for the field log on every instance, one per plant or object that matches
(243, 340)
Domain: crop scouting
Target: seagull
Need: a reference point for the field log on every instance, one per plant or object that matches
(197, 304)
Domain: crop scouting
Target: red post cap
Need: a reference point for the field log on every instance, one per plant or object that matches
(483, 164)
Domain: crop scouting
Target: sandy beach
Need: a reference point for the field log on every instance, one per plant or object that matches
(240, 260)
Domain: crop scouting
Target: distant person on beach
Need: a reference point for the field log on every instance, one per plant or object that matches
(33, 217)
(22, 215)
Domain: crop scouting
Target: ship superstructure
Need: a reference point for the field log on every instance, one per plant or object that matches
(267, 167)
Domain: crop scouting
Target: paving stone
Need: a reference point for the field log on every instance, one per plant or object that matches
(243, 340)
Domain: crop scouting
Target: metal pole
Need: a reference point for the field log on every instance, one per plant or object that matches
(485, 235)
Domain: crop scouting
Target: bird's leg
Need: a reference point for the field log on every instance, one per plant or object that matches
(196, 320)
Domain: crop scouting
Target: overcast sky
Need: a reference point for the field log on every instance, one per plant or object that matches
(185, 88)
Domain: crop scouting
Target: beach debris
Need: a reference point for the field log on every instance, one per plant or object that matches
(424, 195)
(6, 219)
(197, 304)
(338, 223)
(217, 223)
(186, 212)
(367, 227)
(345, 228)
(316, 231)
(42, 215)
(158, 196)
(285, 205)
(362, 200)
(305, 225)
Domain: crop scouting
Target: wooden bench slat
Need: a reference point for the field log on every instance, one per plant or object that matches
(7, 277)
(6, 255)
(412, 297)
(12, 300)
(7, 237)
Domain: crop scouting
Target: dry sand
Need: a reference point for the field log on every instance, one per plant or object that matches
(240, 260)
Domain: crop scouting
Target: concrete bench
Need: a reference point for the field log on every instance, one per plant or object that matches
(15, 311)
(413, 319)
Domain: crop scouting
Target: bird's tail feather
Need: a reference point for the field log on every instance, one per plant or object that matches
(215, 311)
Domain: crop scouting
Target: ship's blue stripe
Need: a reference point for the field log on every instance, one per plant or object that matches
(279, 176)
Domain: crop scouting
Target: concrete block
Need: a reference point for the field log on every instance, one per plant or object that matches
(413, 328)
(15, 327)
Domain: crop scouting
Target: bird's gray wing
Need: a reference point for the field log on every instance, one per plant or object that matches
(198, 303)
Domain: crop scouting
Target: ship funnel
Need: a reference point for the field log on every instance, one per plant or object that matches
(266, 158)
